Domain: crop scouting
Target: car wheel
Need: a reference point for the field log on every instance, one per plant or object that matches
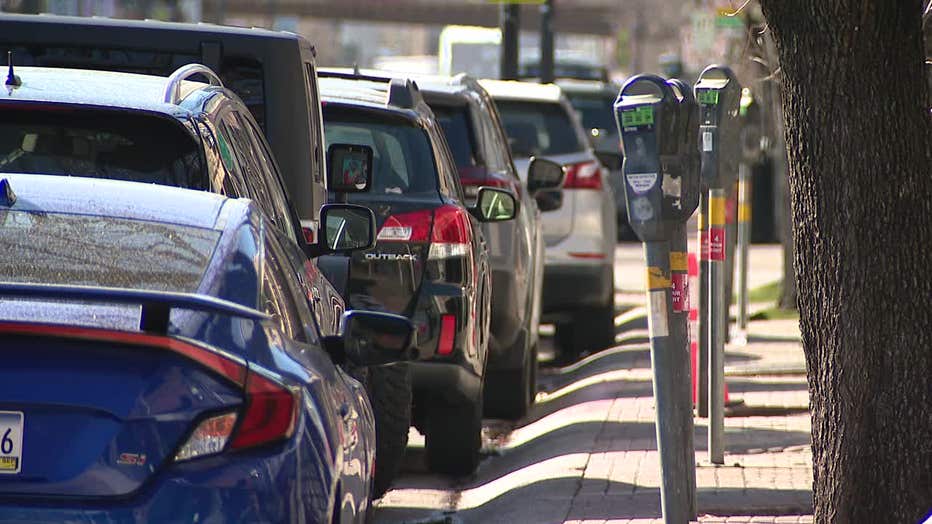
(508, 392)
(590, 330)
(389, 389)
(454, 436)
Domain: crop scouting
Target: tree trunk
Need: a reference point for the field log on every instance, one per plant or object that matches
(859, 141)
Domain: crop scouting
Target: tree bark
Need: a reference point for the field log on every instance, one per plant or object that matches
(858, 135)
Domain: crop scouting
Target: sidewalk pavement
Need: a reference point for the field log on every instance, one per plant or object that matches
(767, 475)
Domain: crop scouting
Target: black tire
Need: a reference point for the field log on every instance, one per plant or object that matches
(454, 436)
(590, 330)
(389, 389)
(508, 391)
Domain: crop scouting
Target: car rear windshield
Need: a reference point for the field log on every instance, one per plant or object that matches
(402, 158)
(136, 147)
(596, 111)
(66, 249)
(536, 128)
(458, 132)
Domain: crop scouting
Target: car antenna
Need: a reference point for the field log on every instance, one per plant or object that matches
(11, 78)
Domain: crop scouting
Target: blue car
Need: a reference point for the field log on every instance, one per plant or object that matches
(161, 363)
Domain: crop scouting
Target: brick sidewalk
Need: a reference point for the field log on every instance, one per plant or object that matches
(768, 465)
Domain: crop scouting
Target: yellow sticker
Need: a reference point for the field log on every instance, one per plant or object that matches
(717, 211)
(744, 213)
(679, 261)
(701, 220)
(656, 279)
(9, 463)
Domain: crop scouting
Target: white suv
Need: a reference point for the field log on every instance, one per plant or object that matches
(579, 289)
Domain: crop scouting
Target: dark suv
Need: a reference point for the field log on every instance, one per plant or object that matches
(273, 72)
(141, 128)
(479, 145)
(430, 262)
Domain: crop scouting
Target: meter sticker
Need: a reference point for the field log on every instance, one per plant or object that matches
(717, 244)
(639, 116)
(704, 245)
(672, 186)
(679, 292)
(706, 140)
(656, 279)
(641, 182)
(657, 321)
(641, 209)
(707, 97)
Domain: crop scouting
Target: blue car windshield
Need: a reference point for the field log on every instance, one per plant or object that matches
(65, 249)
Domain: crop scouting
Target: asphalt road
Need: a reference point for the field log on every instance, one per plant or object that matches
(531, 471)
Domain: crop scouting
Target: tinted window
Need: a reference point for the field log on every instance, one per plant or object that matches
(539, 128)
(244, 76)
(95, 251)
(279, 301)
(280, 208)
(596, 112)
(458, 132)
(402, 158)
(100, 144)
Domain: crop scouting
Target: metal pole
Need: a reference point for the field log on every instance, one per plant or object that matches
(679, 342)
(546, 42)
(702, 397)
(744, 240)
(717, 326)
(668, 394)
(510, 26)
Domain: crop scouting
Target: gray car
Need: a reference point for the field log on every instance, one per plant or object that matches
(479, 145)
(580, 235)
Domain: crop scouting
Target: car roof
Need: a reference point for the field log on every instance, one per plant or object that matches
(527, 91)
(386, 94)
(118, 199)
(594, 87)
(97, 88)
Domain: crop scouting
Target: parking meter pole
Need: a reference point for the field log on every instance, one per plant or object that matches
(744, 240)
(680, 344)
(510, 23)
(717, 326)
(675, 495)
(731, 249)
(705, 312)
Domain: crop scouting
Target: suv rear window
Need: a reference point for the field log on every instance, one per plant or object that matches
(136, 147)
(64, 249)
(459, 134)
(536, 128)
(595, 111)
(402, 157)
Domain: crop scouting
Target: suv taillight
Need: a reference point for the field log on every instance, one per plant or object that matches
(407, 227)
(452, 234)
(585, 175)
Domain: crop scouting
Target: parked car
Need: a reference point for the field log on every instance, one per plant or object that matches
(156, 130)
(161, 362)
(430, 262)
(580, 236)
(594, 103)
(273, 72)
(474, 133)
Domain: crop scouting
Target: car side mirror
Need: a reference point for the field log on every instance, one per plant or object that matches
(371, 338)
(549, 200)
(344, 228)
(494, 205)
(543, 174)
(349, 168)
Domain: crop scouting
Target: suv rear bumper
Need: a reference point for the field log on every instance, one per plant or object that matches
(569, 287)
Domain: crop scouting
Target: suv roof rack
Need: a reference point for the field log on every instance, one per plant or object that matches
(173, 85)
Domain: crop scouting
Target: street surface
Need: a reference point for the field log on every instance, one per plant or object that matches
(586, 453)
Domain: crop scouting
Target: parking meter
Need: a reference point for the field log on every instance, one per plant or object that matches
(718, 93)
(687, 162)
(646, 113)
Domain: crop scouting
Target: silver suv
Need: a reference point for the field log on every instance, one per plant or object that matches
(578, 293)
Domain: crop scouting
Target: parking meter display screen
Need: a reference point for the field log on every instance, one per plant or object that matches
(707, 97)
(640, 150)
(638, 116)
